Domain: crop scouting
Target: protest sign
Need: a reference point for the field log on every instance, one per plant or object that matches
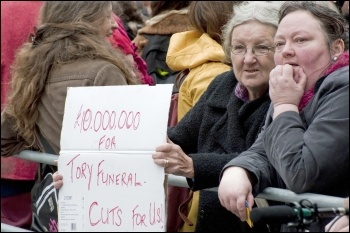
(110, 180)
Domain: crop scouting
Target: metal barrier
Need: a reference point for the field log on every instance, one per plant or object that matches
(274, 194)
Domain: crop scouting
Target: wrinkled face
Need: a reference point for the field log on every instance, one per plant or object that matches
(108, 24)
(301, 42)
(251, 70)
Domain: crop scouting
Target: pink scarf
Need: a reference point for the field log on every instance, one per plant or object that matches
(343, 60)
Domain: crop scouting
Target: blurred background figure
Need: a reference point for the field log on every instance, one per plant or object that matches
(152, 41)
(131, 17)
(144, 7)
(343, 6)
(17, 175)
(199, 50)
(345, 10)
(121, 40)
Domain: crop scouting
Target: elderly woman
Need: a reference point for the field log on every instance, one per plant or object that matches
(305, 140)
(227, 118)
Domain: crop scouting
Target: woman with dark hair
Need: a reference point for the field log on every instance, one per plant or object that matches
(304, 146)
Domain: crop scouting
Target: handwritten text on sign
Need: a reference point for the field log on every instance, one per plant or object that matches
(115, 118)
(107, 120)
(107, 188)
(110, 180)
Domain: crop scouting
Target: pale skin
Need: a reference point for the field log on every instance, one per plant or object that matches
(179, 163)
(302, 54)
(340, 225)
(57, 178)
(108, 24)
(252, 71)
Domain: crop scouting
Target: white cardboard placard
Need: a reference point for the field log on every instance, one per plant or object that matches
(110, 180)
(115, 118)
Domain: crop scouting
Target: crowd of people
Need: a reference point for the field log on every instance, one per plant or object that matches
(265, 102)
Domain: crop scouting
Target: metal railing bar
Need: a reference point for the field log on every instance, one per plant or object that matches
(273, 194)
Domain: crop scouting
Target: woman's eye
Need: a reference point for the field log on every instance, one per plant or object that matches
(299, 40)
(278, 44)
(262, 47)
(238, 47)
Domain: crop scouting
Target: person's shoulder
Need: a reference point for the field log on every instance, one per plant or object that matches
(339, 76)
(341, 72)
(83, 67)
(225, 79)
(89, 63)
(336, 81)
(167, 23)
(221, 88)
(225, 76)
(176, 22)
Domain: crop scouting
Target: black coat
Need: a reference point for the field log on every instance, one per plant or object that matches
(213, 132)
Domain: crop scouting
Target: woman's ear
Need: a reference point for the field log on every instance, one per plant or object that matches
(338, 48)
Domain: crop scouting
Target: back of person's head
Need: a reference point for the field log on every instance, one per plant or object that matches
(265, 12)
(210, 16)
(130, 12)
(63, 19)
(332, 22)
(159, 7)
(74, 11)
(131, 17)
(69, 30)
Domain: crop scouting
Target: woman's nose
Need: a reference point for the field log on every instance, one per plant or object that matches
(114, 24)
(249, 56)
(287, 50)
